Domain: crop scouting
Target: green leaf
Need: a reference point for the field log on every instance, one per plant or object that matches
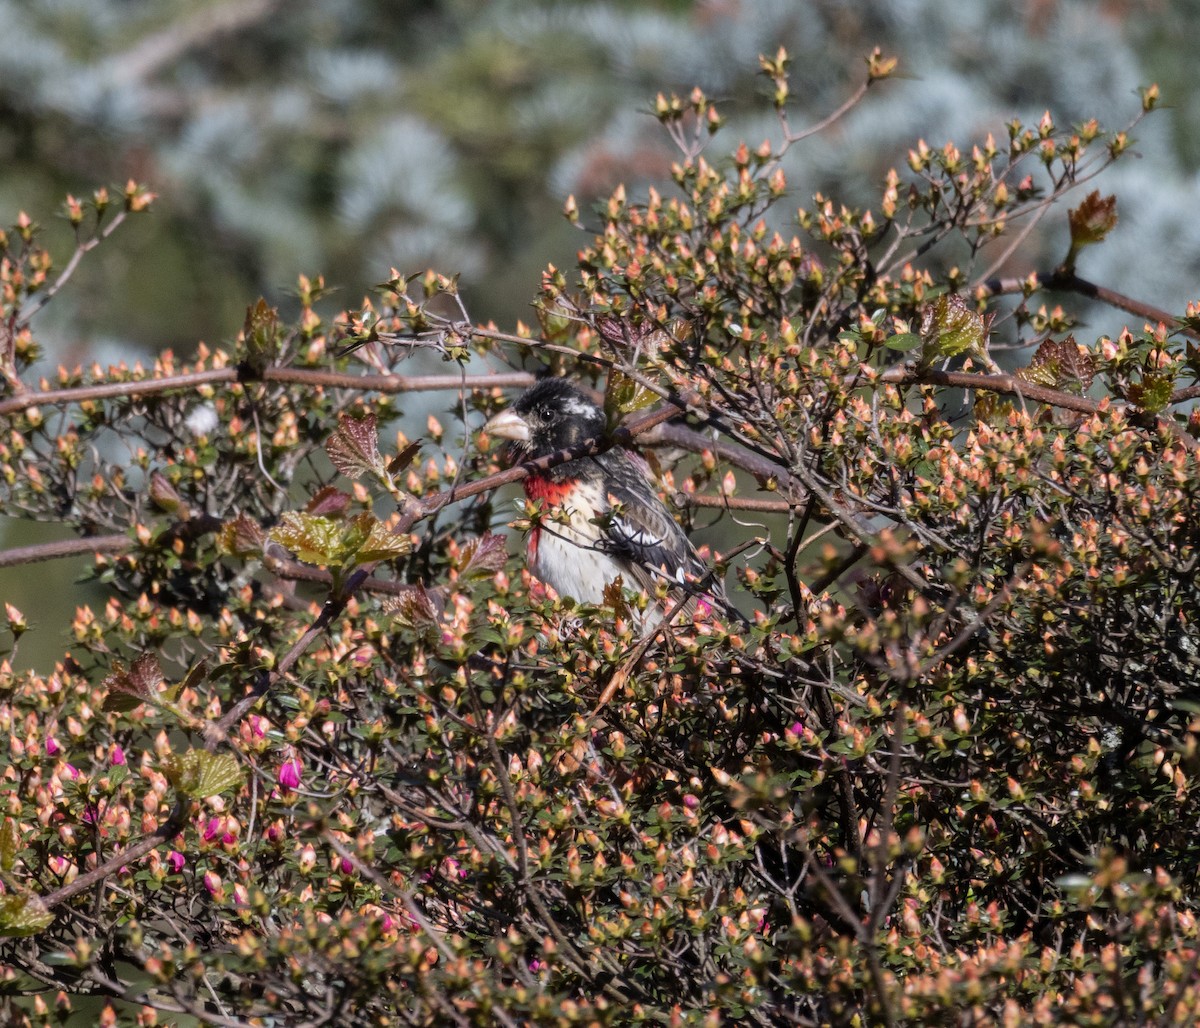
(23, 914)
(952, 326)
(1060, 364)
(1153, 393)
(10, 844)
(312, 538)
(378, 542)
(991, 410)
(199, 774)
(623, 396)
(354, 447)
(903, 342)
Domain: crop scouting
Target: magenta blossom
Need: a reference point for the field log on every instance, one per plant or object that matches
(117, 756)
(176, 860)
(290, 772)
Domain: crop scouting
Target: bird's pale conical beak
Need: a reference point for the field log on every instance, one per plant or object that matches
(508, 424)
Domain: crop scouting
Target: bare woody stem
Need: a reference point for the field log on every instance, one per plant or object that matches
(316, 378)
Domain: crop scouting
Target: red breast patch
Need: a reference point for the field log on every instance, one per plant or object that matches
(552, 494)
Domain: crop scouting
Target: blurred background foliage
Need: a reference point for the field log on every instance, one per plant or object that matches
(345, 137)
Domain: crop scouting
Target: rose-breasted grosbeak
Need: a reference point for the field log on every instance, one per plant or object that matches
(616, 527)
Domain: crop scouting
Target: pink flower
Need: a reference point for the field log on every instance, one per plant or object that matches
(214, 825)
(117, 756)
(347, 865)
(176, 860)
(535, 965)
(796, 728)
(290, 772)
(212, 882)
(257, 726)
(52, 747)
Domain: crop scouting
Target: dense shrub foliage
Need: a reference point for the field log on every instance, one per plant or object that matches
(327, 754)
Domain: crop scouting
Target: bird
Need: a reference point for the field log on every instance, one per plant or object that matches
(616, 526)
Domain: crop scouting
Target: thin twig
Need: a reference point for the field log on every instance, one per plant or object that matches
(829, 119)
(69, 268)
(681, 499)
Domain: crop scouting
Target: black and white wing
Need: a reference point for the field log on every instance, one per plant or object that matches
(640, 532)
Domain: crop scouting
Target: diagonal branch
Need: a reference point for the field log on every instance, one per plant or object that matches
(1012, 385)
(1068, 282)
(159, 49)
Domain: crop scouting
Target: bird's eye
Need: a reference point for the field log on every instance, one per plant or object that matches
(548, 413)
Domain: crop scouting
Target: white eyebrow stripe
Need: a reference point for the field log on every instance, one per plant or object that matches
(574, 405)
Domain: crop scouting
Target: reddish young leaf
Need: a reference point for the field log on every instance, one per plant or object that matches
(354, 446)
(486, 554)
(1092, 220)
(128, 688)
(328, 502)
